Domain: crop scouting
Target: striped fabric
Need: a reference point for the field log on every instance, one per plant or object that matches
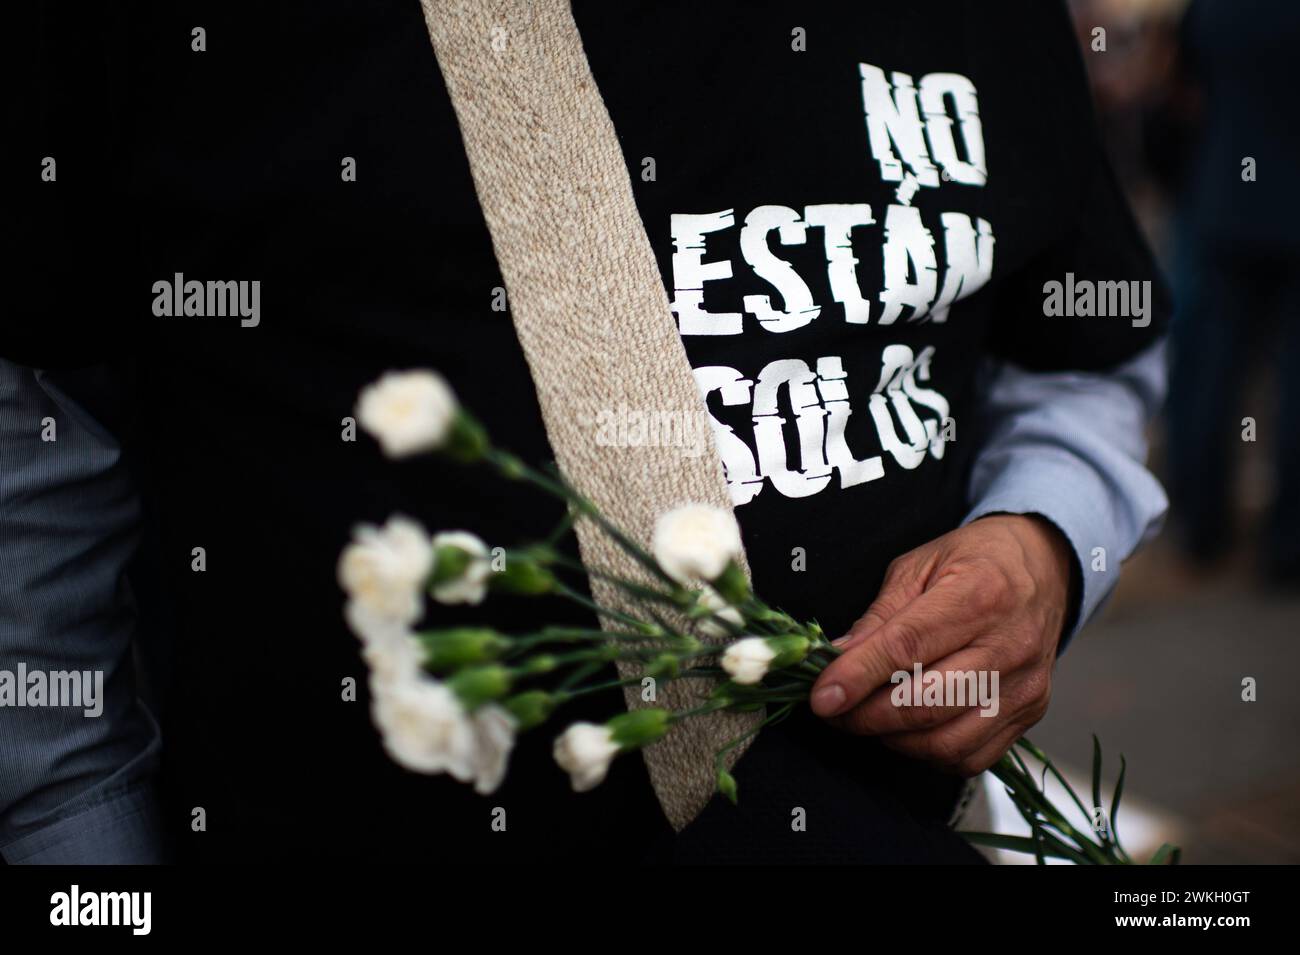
(73, 788)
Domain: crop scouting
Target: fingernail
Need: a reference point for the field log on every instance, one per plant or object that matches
(828, 700)
(840, 641)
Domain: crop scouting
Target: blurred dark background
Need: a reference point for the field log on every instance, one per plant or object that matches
(1186, 94)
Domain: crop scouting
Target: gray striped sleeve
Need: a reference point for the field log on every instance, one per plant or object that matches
(77, 748)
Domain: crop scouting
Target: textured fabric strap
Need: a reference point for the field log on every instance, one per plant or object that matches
(588, 305)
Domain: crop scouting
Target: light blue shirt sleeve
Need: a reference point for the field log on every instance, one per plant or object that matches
(1071, 446)
(76, 781)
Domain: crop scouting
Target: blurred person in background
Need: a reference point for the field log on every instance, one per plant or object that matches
(1131, 50)
(1237, 272)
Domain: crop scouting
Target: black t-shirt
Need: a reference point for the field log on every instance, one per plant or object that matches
(851, 204)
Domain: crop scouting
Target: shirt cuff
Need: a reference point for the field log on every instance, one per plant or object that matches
(1056, 485)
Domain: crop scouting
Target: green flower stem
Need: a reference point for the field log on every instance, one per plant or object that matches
(777, 623)
(1041, 844)
(551, 635)
(760, 616)
(1036, 801)
(1027, 797)
(799, 696)
(1038, 811)
(1039, 755)
(806, 679)
(791, 694)
(638, 553)
(513, 468)
(578, 675)
(582, 600)
(567, 695)
(755, 626)
(753, 702)
(1020, 763)
(783, 688)
(546, 664)
(670, 599)
(704, 710)
(823, 655)
(563, 527)
(732, 630)
(1109, 844)
(667, 627)
(1025, 793)
(693, 673)
(1047, 842)
(628, 586)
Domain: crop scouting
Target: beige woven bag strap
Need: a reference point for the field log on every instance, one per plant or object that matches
(588, 304)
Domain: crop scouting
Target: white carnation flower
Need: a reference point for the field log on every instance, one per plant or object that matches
(408, 411)
(747, 660)
(471, 586)
(494, 737)
(384, 569)
(399, 657)
(424, 726)
(584, 751)
(713, 601)
(696, 542)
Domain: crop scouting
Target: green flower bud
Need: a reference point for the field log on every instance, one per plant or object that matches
(477, 685)
(732, 585)
(449, 563)
(638, 728)
(789, 651)
(727, 786)
(468, 440)
(738, 697)
(724, 693)
(665, 667)
(768, 615)
(523, 574)
(686, 598)
(510, 466)
(456, 647)
(687, 645)
(532, 708)
(542, 663)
